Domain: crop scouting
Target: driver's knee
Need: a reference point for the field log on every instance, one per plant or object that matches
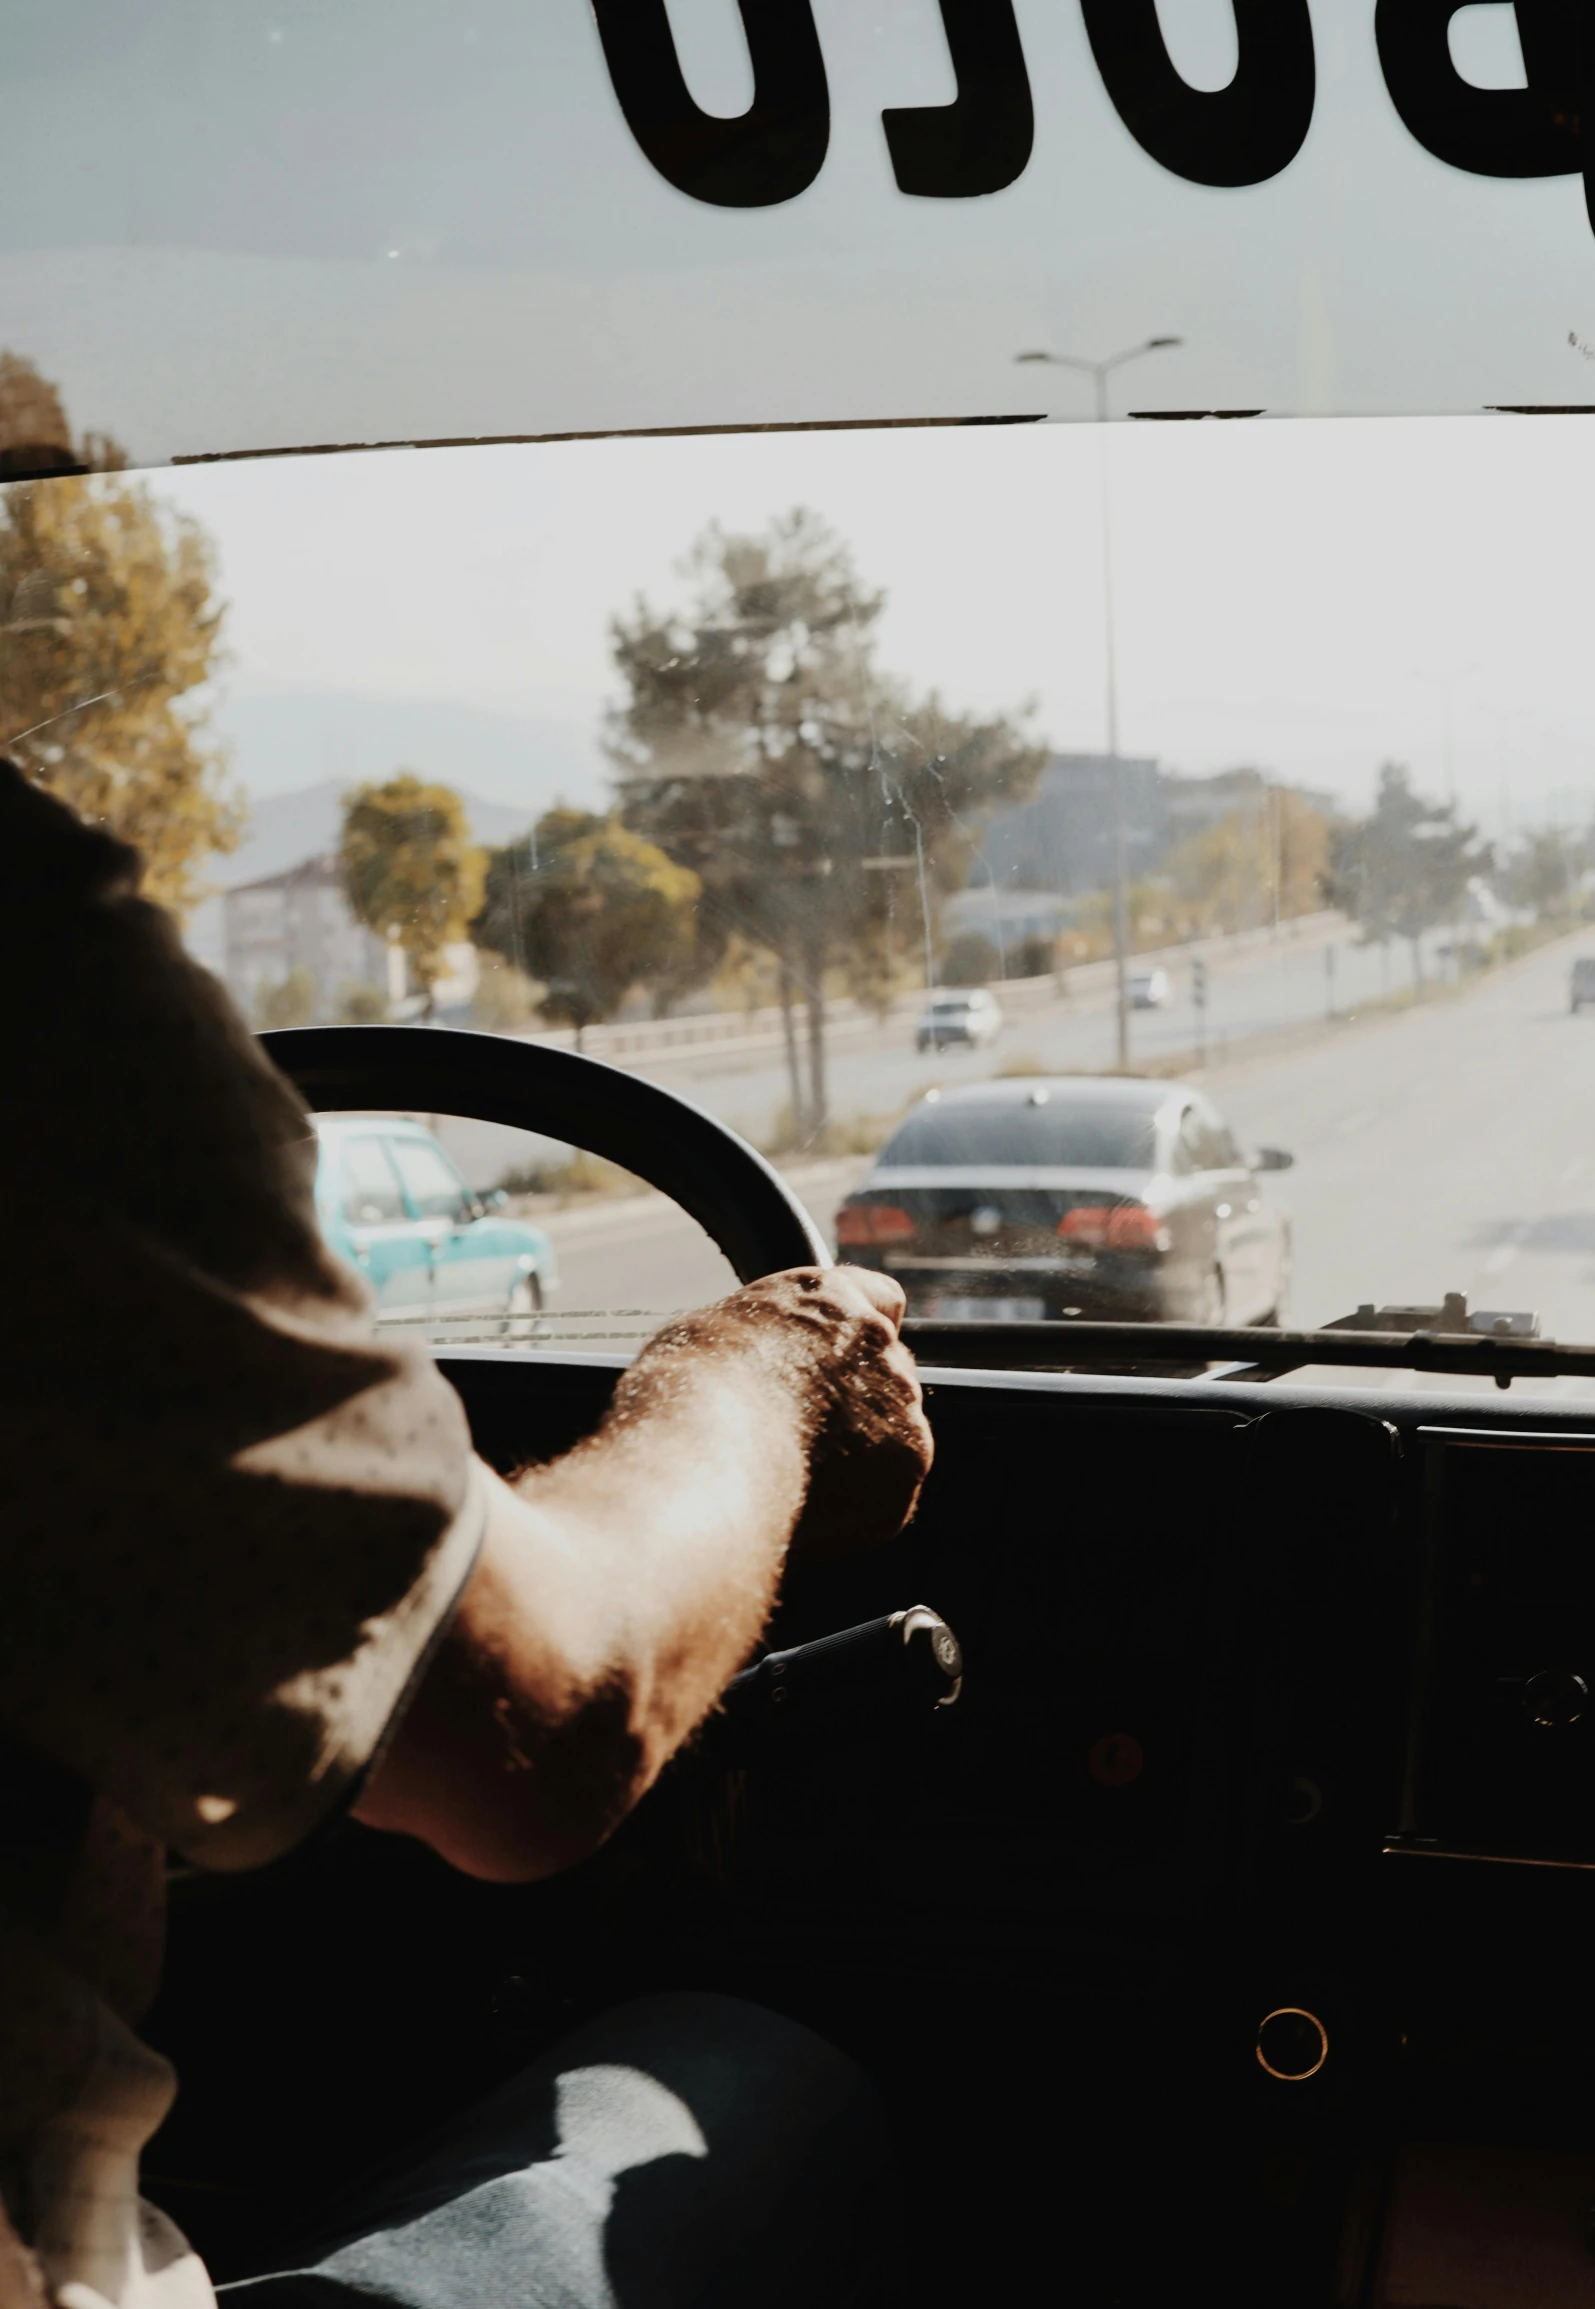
(686, 2151)
(789, 2185)
(795, 2183)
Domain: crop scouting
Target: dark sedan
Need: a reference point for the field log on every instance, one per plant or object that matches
(1072, 1195)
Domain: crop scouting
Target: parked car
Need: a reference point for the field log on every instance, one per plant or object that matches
(1149, 989)
(1048, 1196)
(1582, 989)
(970, 1015)
(392, 1203)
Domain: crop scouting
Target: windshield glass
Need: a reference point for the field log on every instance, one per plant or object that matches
(1054, 1136)
(740, 761)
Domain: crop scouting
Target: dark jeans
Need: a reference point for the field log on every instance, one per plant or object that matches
(684, 2152)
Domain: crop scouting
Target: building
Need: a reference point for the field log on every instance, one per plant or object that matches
(1195, 804)
(1192, 805)
(300, 920)
(1062, 840)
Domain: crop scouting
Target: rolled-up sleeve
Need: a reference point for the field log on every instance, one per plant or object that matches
(233, 1521)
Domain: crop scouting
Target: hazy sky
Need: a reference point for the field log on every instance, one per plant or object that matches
(1311, 596)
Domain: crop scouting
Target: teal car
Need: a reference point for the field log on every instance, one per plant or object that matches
(391, 1202)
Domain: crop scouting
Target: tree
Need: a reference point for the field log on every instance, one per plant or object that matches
(1405, 869)
(290, 1001)
(505, 1000)
(411, 871)
(1034, 956)
(362, 1004)
(110, 622)
(822, 806)
(1253, 865)
(591, 908)
(1545, 873)
(970, 959)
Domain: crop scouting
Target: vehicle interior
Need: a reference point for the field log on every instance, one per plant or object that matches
(1249, 1873)
(1229, 1927)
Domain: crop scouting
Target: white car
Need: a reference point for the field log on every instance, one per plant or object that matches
(1149, 989)
(970, 1015)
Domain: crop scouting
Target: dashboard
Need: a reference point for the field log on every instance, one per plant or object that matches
(1260, 1845)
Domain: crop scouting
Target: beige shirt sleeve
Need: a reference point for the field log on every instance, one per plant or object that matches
(232, 1521)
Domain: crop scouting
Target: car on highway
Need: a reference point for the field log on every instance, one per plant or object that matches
(1582, 986)
(1149, 989)
(1047, 1196)
(968, 1015)
(391, 1202)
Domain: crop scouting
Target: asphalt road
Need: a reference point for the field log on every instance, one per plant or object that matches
(1446, 1147)
(1287, 984)
(877, 1073)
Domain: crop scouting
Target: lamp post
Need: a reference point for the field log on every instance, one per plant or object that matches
(1099, 372)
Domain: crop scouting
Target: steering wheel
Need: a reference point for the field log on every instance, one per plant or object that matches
(743, 1206)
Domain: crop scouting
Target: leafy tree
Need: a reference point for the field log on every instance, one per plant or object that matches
(1545, 872)
(505, 999)
(820, 804)
(591, 908)
(291, 1001)
(362, 1004)
(1252, 864)
(411, 871)
(110, 624)
(1403, 870)
(1034, 956)
(969, 960)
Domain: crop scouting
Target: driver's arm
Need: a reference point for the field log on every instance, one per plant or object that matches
(242, 1549)
(618, 1590)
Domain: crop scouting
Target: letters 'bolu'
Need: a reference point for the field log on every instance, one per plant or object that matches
(769, 153)
(1532, 131)
(1242, 134)
(982, 140)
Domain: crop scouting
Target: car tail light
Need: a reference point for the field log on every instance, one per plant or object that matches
(860, 1224)
(1113, 1227)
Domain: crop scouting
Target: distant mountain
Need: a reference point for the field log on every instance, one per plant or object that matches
(283, 742)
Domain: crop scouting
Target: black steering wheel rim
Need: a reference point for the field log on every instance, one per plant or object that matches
(743, 1205)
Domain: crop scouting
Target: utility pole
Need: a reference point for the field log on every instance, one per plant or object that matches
(1199, 1002)
(1099, 372)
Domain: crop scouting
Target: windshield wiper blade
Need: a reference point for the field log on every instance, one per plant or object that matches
(1082, 1346)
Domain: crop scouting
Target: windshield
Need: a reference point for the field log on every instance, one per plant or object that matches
(1054, 1136)
(741, 761)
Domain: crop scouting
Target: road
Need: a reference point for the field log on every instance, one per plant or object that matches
(1450, 1146)
(875, 1074)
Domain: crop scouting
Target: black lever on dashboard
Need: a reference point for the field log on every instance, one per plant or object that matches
(861, 1682)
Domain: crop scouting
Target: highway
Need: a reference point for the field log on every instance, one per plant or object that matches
(1310, 972)
(1450, 1146)
(879, 1072)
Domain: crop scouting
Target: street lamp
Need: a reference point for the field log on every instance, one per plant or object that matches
(1099, 372)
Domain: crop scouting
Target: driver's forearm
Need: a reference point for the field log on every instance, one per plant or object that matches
(616, 1594)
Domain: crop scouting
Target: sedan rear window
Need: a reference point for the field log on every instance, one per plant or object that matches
(1026, 1137)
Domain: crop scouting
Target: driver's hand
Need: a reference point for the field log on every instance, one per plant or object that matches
(831, 1335)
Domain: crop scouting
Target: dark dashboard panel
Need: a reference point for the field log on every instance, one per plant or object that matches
(1502, 1759)
(1138, 1890)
